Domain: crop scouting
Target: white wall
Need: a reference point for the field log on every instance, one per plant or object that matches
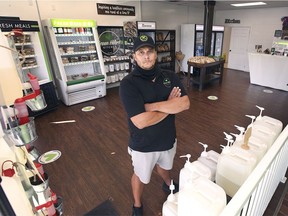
(26, 10)
(70, 9)
(169, 16)
(262, 22)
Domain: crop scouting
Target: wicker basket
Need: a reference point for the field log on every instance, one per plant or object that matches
(179, 56)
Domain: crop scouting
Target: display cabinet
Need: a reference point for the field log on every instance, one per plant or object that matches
(25, 37)
(165, 46)
(117, 64)
(77, 61)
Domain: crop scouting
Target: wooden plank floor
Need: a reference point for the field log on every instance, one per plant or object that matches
(95, 166)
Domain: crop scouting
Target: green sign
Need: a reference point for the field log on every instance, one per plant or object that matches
(73, 23)
(49, 157)
(282, 42)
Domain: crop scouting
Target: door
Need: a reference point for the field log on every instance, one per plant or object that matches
(238, 51)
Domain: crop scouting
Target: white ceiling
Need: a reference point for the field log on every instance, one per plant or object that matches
(226, 5)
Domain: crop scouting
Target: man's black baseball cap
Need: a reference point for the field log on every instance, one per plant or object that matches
(143, 40)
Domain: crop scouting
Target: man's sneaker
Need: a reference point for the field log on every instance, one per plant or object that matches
(137, 211)
(166, 188)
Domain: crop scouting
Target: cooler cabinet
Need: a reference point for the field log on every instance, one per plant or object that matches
(76, 59)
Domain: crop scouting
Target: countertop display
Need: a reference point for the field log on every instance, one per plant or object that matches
(205, 77)
(269, 70)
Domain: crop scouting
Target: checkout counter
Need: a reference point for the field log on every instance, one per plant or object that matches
(269, 70)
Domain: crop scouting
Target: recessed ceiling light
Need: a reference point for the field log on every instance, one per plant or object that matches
(248, 4)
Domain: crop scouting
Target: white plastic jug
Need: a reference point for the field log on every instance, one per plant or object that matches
(269, 122)
(233, 168)
(170, 206)
(192, 170)
(256, 146)
(201, 197)
(265, 127)
(268, 136)
(209, 159)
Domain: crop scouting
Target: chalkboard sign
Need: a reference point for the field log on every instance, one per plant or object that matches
(24, 25)
(119, 10)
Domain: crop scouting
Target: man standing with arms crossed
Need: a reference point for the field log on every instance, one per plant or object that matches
(151, 98)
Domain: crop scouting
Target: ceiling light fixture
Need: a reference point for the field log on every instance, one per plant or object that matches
(249, 4)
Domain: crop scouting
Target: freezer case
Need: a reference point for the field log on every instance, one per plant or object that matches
(76, 58)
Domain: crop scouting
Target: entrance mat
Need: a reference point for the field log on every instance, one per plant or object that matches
(105, 208)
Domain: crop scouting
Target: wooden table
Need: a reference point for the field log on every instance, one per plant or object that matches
(204, 77)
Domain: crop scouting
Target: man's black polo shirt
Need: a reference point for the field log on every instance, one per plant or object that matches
(135, 91)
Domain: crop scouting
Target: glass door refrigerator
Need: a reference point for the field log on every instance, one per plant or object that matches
(76, 58)
(216, 40)
(192, 42)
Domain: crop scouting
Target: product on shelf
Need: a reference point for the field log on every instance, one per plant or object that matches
(25, 38)
(29, 62)
(65, 60)
(91, 48)
(93, 57)
(159, 36)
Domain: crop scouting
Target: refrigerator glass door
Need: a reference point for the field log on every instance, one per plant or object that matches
(199, 49)
(218, 44)
(212, 44)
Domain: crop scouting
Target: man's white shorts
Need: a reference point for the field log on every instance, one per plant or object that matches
(144, 162)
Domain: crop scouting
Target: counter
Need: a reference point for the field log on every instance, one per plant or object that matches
(269, 70)
(204, 77)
